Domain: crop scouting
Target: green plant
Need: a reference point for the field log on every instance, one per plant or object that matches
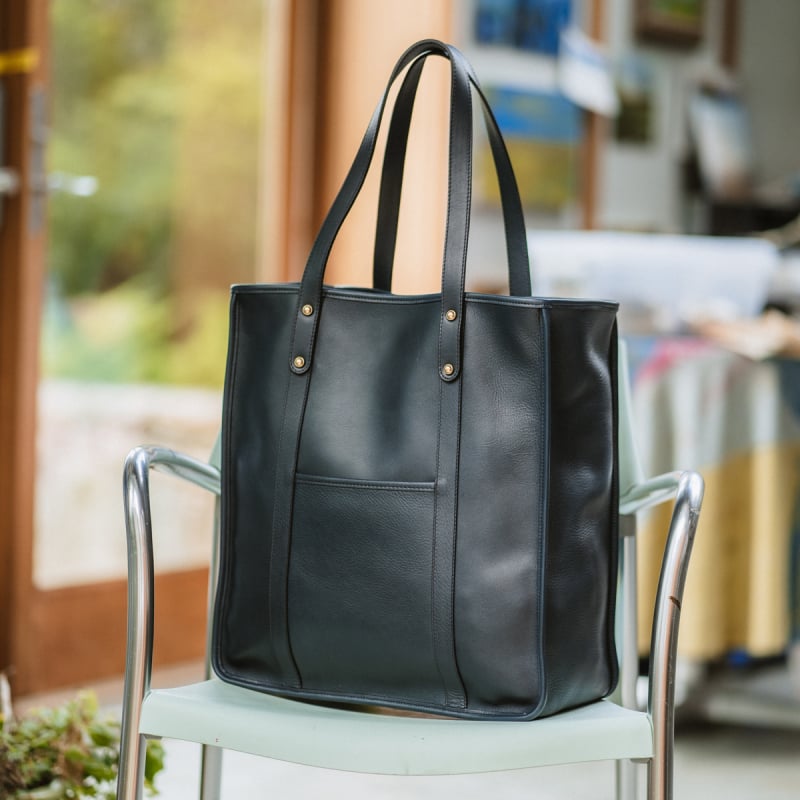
(131, 335)
(64, 753)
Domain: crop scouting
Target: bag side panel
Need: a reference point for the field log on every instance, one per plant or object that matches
(581, 562)
(501, 506)
(255, 388)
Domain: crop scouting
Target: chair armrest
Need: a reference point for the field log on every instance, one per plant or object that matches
(162, 459)
(650, 492)
(138, 527)
(687, 487)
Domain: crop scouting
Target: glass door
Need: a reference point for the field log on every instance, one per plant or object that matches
(153, 172)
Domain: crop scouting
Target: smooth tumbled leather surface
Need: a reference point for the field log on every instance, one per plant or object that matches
(395, 535)
(535, 556)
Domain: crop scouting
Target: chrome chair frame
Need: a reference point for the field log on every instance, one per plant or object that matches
(685, 487)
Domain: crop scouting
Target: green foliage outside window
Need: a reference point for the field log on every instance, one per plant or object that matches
(115, 106)
(133, 82)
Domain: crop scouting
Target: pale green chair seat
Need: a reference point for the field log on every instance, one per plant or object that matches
(221, 716)
(218, 714)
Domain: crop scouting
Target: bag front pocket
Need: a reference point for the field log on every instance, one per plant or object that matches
(360, 588)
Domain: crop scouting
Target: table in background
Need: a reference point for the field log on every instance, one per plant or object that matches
(697, 406)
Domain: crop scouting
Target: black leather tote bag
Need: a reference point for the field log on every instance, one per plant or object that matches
(419, 493)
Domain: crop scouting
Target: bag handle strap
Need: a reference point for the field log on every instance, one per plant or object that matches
(457, 226)
(392, 183)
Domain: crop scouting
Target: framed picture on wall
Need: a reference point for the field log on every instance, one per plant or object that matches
(532, 25)
(671, 22)
(542, 130)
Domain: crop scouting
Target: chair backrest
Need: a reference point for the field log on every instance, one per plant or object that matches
(630, 475)
(630, 467)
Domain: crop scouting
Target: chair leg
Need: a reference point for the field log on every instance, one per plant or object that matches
(210, 772)
(130, 780)
(139, 650)
(626, 774)
(660, 768)
(664, 639)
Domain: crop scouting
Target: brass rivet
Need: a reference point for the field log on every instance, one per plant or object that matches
(299, 362)
(450, 315)
(307, 310)
(448, 369)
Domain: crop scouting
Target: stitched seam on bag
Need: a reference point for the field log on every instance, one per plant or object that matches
(343, 483)
(378, 699)
(542, 303)
(500, 300)
(614, 522)
(224, 566)
(394, 299)
(295, 446)
(589, 305)
(265, 288)
(456, 480)
(442, 388)
(391, 299)
(494, 300)
(544, 519)
(434, 638)
(311, 342)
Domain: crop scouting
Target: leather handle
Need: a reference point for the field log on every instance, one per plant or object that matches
(457, 227)
(392, 183)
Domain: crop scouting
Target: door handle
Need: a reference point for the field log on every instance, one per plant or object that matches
(25, 60)
(9, 181)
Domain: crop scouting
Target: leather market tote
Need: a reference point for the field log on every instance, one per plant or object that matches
(419, 493)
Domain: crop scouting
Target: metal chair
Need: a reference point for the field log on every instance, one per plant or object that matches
(221, 716)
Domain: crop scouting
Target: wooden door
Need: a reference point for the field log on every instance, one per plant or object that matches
(72, 633)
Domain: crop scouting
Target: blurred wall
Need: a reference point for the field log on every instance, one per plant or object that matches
(362, 41)
(640, 185)
(769, 64)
